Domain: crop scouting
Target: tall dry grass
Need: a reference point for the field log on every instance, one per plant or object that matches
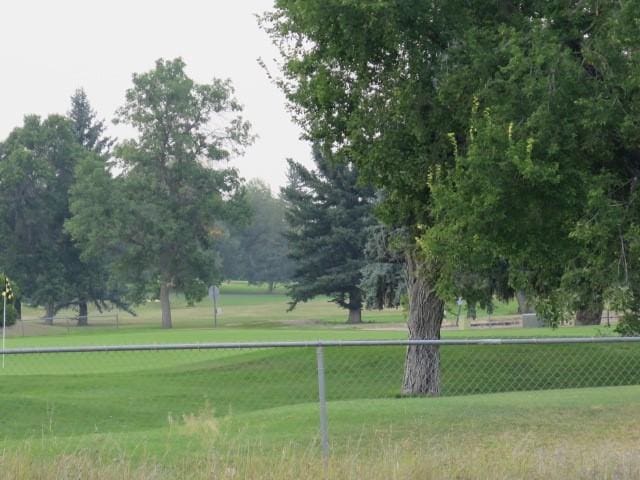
(526, 457)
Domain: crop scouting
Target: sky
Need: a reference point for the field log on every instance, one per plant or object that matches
(50, 48)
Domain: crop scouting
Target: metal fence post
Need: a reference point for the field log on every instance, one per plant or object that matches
(324, 419)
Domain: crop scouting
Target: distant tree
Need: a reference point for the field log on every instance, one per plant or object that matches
(36, 172)
(88, 130)
(257, 251)
(90, 277)
(159, 219)
(328, 213)
(37, 163)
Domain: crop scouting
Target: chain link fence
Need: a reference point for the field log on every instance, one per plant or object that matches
(113, 386)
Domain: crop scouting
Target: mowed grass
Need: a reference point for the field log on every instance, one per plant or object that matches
(249, 313)
(241, 305)
(117, 392)
(242, 413)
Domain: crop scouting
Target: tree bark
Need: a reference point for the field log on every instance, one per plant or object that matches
(165, 289)
(523, 304)
(355, 315)
(471, 311)
(83, 314)
(17, 304)
(426, 311)
(50, 312)
(590, 315)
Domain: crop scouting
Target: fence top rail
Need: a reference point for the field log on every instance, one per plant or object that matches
(318, 343)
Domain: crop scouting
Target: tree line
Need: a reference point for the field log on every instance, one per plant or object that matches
(86, 219)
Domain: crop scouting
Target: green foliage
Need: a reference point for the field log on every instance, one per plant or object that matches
(383, 276)
(37, 170)
(36, 173)
(360, 78)
(88, 130)
(539, 179)
(544, 174)
(328, 213)
(257, 251)
(158, 219)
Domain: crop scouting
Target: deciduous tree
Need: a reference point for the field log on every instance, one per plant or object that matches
(158, 218)
(257, 251)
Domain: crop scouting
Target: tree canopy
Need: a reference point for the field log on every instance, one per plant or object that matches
(36, 173)
(257, 251)
(547, 178)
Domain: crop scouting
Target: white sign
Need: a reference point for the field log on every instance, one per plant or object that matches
(214, 292)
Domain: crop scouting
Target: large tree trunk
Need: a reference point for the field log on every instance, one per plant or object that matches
(523, 304)
(83, 314)
(355, 315)
(589, 315)
(50, 312)
(472, 313)
(426, 311)
(17, 304)
(355, 306)
(165, 289)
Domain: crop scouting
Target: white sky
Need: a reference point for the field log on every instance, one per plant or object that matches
(49, 48)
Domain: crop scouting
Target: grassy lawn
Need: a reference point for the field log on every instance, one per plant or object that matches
(246, 306)
(586, 433)
(249, 313)
(190, 413)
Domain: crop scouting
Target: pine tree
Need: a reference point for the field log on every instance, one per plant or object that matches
(328, 214)
(88, 130)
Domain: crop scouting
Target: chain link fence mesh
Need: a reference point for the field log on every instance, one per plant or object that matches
(115, 386)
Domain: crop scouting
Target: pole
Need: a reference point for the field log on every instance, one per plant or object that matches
(324, 419)
(4, 321)
(215, 312)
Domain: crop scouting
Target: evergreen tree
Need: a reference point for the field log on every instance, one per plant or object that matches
(90, 276)
(328, 213)
(383, 275)
(88, 130)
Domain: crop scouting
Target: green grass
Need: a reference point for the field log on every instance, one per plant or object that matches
(247, 306)
(80, 393)
(174, 408)
(483, 434)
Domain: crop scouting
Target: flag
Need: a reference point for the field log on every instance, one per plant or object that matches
(7, 292)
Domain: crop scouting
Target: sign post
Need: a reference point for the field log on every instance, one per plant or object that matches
(459, 302)
(4, 320)
(214, 295)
